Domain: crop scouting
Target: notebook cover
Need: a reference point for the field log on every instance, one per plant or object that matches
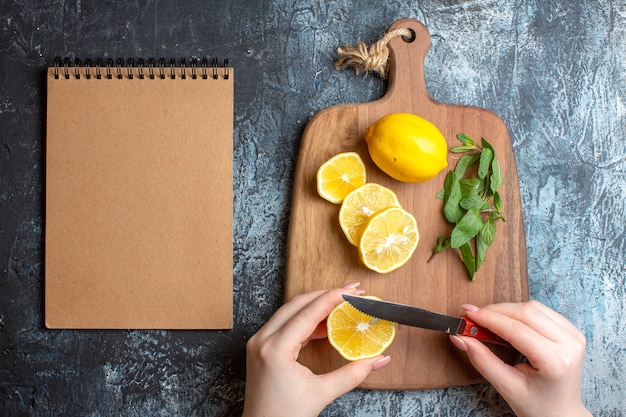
(138, 226)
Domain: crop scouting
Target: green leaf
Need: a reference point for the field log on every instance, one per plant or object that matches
(441, 194)
(468, 259)
(442, 244)
(452, 197)
(487, 145)
(472, 186)
(484, 239)
(449, 183)
(496, 179)
(461, 149)
(465, 162)
(466, 140)
(497, 201)
(466, 229)
(474, 202)
(486, 156)
(488, 231)
(481, 251)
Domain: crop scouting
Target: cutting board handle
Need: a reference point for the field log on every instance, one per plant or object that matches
(407, 82)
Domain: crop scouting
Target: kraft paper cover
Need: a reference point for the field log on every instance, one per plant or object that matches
(138, 226)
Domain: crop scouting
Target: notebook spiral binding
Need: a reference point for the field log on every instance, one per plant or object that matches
(153, 70)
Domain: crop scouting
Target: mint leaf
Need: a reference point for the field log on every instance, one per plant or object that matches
(496, 179)
(452, 197)
(465, 162)
(497, 201)
(461, 149)
(466, 140)
(466, 229)
(472, 186)
(481, 251)
(441, 244)
(487, 145)
(486, 156)
(468, 259)
(484, 239)
(474, 202)
(488, 231)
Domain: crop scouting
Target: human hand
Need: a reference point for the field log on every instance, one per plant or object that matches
(549, 384)
(276, 383)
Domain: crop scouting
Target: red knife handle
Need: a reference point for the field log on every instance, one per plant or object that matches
(471, 329)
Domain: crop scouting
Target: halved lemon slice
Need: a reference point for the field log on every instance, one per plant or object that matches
(356, 335)
(388, 240)
(362, 203)
(340, 175)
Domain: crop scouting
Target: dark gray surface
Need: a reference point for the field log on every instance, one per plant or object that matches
(554, 71)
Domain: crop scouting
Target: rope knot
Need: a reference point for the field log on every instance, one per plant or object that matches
(373, 59)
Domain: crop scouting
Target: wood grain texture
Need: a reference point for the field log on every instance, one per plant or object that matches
(319, 256)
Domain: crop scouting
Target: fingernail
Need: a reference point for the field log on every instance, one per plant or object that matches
(360, 292)
(351, 285)
(381, 362)
(469, 307)
(458, 342)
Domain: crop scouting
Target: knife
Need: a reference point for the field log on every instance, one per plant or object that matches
(417, 317)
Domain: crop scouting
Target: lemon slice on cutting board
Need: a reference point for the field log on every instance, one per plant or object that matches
(360, 205)
(340, 175)
(388, 240)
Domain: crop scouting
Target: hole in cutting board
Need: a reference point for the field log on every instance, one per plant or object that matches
(409, 39)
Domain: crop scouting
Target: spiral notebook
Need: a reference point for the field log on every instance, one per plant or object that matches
(138, 215)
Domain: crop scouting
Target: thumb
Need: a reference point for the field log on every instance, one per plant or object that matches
(350, 376)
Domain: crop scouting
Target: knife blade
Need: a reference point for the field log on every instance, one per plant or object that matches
(424, 319)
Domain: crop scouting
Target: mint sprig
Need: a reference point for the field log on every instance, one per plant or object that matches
(472, 203)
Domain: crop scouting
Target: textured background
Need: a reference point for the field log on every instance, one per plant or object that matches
(555, 71)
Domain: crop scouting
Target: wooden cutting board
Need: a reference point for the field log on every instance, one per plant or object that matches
(319, 256)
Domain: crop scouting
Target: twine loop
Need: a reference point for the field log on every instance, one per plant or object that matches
(373, 59)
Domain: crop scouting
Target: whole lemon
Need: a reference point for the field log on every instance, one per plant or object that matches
(407, 147)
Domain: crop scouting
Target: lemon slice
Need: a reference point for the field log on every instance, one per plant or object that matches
(356, 335)
(340, 175)
(362, 203)
(388, 240)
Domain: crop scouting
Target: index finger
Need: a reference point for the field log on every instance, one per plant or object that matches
(294, 305)
(300, 327)
(288, 310)
(540, 318)
(523, 337)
